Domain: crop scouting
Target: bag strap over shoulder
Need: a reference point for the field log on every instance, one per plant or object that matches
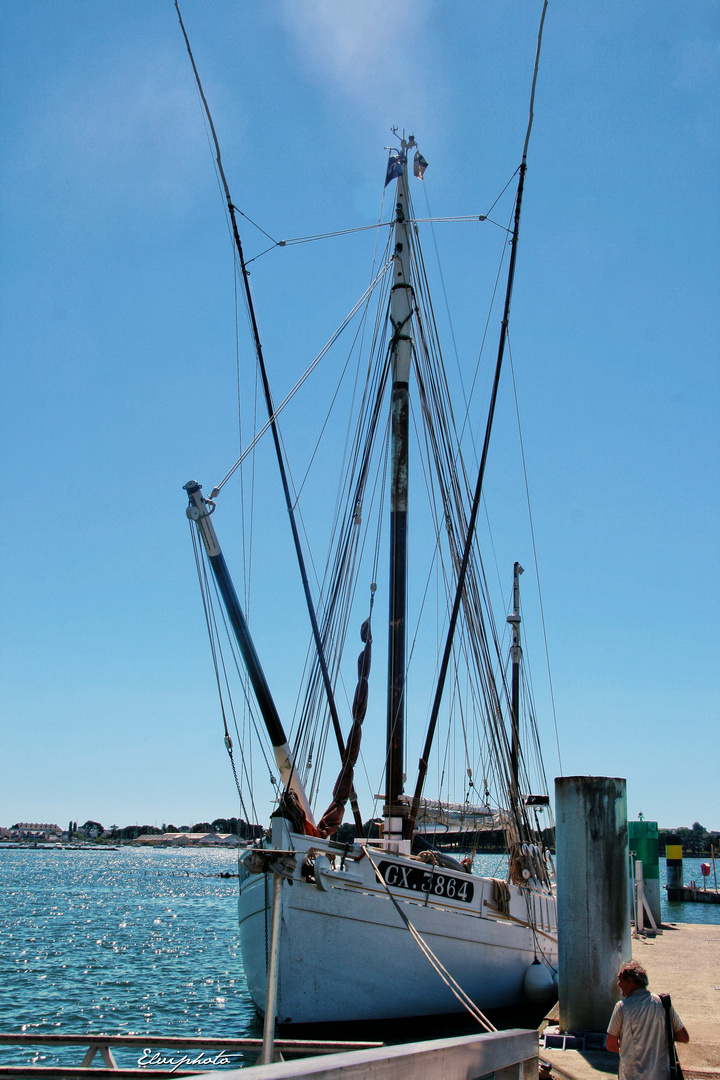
(666, 1004)
(675, 1070)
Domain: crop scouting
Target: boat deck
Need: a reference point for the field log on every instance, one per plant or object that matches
(683, 961)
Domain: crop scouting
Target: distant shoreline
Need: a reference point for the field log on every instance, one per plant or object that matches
(100, 845)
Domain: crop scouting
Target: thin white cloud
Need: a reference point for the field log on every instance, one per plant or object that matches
(363, 48)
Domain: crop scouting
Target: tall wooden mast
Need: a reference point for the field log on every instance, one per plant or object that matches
(401, 306)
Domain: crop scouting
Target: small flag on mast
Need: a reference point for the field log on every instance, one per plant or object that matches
(419, 165)
(396, 161)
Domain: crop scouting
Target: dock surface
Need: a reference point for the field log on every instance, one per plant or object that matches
(683, 961)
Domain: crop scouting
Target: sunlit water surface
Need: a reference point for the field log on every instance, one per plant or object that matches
(120, 941)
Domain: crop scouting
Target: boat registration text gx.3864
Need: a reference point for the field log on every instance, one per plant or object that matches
(427, 881)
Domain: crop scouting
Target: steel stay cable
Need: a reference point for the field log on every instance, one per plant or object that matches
(298, 490)
(452, 459)
(340, 574)
(274, 429)
(352, 474)
(295, 240)
(454, 538)
(459, 596)
(290, 395)
(354, 498)
(535, 557)
(446, 431)
(348, 575)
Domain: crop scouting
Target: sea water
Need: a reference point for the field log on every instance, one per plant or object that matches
(120, 942)
(143, 941)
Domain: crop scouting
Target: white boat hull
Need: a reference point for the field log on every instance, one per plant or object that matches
(346, 954)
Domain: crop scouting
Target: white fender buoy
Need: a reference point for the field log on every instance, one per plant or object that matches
(538, 982)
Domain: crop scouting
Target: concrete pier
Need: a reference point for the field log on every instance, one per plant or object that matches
(683, 961)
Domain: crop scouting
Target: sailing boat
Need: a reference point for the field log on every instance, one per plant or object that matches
(387, 926)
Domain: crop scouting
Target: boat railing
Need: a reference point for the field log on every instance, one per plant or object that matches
(152, 1064)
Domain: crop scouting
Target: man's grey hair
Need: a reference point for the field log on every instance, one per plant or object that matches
(636, 972)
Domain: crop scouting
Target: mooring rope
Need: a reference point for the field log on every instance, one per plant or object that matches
(427, 952)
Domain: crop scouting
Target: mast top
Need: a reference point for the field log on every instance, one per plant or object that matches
(398, 159)
(405, 144)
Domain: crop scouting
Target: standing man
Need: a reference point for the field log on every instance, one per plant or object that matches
(637, 1029)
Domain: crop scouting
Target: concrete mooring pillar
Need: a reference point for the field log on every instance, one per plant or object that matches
(593, 918)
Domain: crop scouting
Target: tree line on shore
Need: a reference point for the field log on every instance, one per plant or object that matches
(696, 842)
(94, 830)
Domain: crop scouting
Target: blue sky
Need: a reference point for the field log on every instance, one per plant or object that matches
(119, 357)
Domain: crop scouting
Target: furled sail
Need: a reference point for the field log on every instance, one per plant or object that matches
(435, 817)
(333, 816)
